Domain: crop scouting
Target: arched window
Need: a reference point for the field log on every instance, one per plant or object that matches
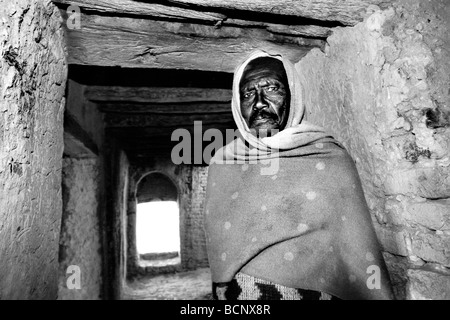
(157, 220)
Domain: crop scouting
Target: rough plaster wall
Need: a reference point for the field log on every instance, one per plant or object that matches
(120, 221)
(195, 218)
(80, 234)
(33, 73)
(190, 201)
(376, 88)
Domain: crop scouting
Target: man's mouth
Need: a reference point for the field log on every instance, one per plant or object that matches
(263, 117)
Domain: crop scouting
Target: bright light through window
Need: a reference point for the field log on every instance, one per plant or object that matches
(157, 227)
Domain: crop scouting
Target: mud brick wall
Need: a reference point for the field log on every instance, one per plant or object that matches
(33, 76)
(80, 234)
(194, 221)
(382, 88)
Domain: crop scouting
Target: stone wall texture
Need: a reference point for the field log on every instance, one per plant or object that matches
(33, 76)
(382, 88)
(80, 234)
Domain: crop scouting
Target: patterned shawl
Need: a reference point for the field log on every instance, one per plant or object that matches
(290, 209)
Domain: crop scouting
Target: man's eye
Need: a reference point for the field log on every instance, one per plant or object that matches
(271, 88)
(248, 94)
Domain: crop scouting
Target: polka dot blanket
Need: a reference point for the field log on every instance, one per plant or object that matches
(307, 226)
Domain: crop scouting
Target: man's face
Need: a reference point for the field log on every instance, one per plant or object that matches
(264, 95)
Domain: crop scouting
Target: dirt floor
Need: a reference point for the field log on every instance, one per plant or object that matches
(190, 285)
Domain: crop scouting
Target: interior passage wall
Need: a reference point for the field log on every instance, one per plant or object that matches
(33, 75)
(382, 88)
(194, 221)
(80, 234)
(117, 221)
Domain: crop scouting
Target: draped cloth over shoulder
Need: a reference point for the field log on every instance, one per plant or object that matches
(290, 209)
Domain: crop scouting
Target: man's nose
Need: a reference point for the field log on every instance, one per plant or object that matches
(261, 102)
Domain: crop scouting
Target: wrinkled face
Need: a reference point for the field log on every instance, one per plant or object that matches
(264, 95)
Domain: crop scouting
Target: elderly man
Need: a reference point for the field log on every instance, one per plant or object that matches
(302, 231)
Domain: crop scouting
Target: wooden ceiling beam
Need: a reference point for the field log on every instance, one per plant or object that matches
(161, 120)
(145, 43)
(130, 7)
(156, 95)
(143, 134)
(348, 12)
(165, 108)
(117, 7)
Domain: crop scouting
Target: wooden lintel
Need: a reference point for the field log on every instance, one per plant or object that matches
(156, 95)
(348, 12)
(147, 134)
(164, 120)
(146, 43)
(130, 7)
(165, 108)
